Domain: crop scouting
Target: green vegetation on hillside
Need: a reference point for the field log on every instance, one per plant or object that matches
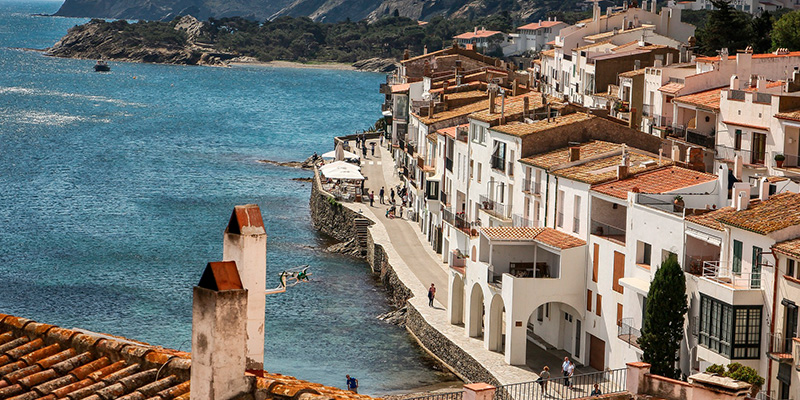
(726, 27)
(142, 33)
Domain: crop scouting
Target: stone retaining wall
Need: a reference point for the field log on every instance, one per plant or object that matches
(337, 221)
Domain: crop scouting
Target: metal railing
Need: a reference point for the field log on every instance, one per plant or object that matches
(411, 147)
(763, 98)
(728, 153)
(530, 186)
(601, 229)
(736, 95)
(520, 221)
(440, 396)
(493, 207)
(627, 333)
(700, 138)
(737, 280)
(781, 343)
(470, 228)
(609, 381)
(791, 160)
(447, 216)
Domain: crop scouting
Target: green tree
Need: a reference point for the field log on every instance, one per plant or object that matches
(762, 28)
(740, 373)
(786, 31)
(725, 28)
(663, 320)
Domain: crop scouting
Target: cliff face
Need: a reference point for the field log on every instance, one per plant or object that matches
(318, 10)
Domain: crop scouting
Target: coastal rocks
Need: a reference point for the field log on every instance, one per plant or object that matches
(349, 247)
(376, 65)
(308, 163)
(395, 317)
(191, 26)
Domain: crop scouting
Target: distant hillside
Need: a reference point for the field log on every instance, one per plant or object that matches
(318, 10)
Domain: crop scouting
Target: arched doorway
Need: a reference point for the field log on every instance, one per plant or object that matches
(456, 308)
(553, 328)
(475, 315)
(494, 336)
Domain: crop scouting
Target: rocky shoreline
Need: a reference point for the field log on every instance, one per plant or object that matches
(94, 41)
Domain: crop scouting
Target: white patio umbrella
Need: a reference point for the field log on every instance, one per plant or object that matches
(339, 165)
(343, 173)
(339, 152)
(345, 155)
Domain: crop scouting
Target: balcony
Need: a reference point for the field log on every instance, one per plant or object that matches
(729, 154)
(520, 221)
(700, 138)
(493, 208)
(783, 347)
(712, 270)
(411, 147)
(444, 198)
(627, 333)
(499, 163)
(531, 187)
(790, 161)
(612, 233)
(470, 228)
(448, 216)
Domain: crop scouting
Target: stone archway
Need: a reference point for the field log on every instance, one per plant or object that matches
(475, 314)
(494, 334)
(456, 306)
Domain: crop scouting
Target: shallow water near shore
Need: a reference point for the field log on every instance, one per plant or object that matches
(117, 187)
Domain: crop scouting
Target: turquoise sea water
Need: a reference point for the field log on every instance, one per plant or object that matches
(115, 189)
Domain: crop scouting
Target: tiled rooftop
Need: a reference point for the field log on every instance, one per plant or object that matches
(523, 129)
(548, 53)
(591, 45)
(40, 361)
(451, 131)
(789, 247)
(631, 74)
(790, 115)
(663, 180)
(609, 34)
(755, 56)
(456, 112)
(778, 212)
(561, 156)
(548, 236)
(480, 33)
(540, 24)
(513, 106)
(605, 169)
(708, 99)
(709, 219)
(671, 88)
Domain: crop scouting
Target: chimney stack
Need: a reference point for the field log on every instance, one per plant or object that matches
(514, 88)
(574, 153)
(245, 243)
(491, 101)
(219, 320)
(622, 172)
(741, 195)
(763, 190)
(526, 106)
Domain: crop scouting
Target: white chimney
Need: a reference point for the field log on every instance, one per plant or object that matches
(741, 195)
(219, 309)
(245, 242)
(763, 190)
(676, 153)
(737, 166)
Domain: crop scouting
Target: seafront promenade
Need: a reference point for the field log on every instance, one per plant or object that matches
(417, 266)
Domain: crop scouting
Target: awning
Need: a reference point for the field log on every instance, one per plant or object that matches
(347, 155)
(343, 173)
(639, 285)
(704, 237)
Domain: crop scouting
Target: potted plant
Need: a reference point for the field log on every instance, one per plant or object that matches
(678, 204)
(779, 159)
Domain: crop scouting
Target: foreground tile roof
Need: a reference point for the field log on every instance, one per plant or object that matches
(605, 169)
(451, 131)
(656, 182)
(548, 236)
(561, 156)
(764, 217)
(789, 247)
(708, 99)
(523, 129)
(540, 24)
(481, 33)
(790, 115)
(709, 219)
(514, 106)
(455, 112)
(40, 361)
(671, 88)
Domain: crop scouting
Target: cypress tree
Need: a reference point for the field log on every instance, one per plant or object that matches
(663, 321)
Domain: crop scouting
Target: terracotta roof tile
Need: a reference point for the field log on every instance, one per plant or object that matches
(605, 169)
(779, 212)
(755, 56)
(456, 112)
(789, 247)
(513, 107)
(541, 24)
(480, 33)
(671, 88)
(561, 156)
(790, 115)
(631, 74)
(708, 99)
(548, 236)
(655, 182)
(523, 129)
(451, 131)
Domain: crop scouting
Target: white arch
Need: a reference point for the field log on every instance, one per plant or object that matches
(493, 339)
(455, 307)
(474, 325)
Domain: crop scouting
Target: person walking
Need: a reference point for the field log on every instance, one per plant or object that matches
(372, 198)
(380, 195)
(570, 371)
(431, 295)
(544, 376)
(391, 194)
(564, 368)
(401, 211)
(372, 144)
(352, 384)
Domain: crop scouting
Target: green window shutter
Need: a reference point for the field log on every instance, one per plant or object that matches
(737, 257)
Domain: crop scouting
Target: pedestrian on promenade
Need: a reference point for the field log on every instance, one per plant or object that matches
(372, 198)
(364, 151)
(564, 368)
(380, 195)
(373, 148)
(401, 211)
(352, 384)
(431, 295)
(391, 194)
(543, 377)
(570, 371)
(596, 391)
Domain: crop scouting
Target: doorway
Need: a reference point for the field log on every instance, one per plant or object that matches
(597, 353)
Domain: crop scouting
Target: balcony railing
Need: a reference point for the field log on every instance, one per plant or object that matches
(470, 228)
(448, 216)
(444, 198)
(700, 138)
(499, 163)
(520, 221)
(607, 231)
(727, 153)
(492, 207)
(791, 160)
(781, 343)
(627, 333)
(713, 271)
(530, 186)
(608, 381)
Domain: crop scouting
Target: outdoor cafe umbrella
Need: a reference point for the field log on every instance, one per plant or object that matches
(337, 165)
(343, 173)
(345, 155)
(339, 152)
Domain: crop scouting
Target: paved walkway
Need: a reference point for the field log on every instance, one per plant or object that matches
(417, 266)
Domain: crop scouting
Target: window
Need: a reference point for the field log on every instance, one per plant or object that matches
(759, 148)
(560, 209)
(576, 216)
(499, 156)
(790, 267)
(737, 140)
(755, 269)
(479, 172)
(540, 314)
(619, 270)
(589, 300)
(598, 308)
(547, 310)
(737, 257)
(644, 253)
(619, 314)
(734, 332)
